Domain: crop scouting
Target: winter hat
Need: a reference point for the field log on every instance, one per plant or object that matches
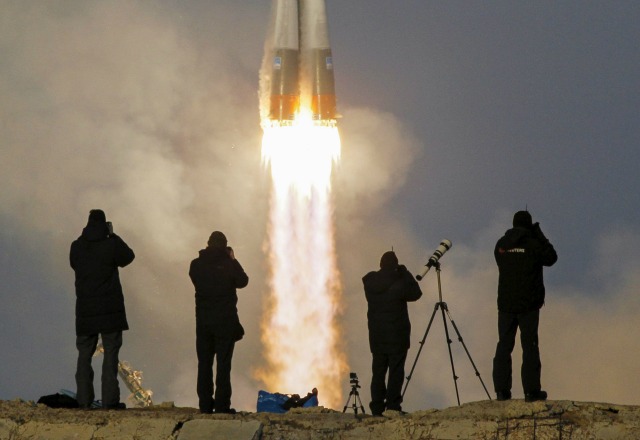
(97, 215)
(389, 260)
(522, 219)
(217, 240)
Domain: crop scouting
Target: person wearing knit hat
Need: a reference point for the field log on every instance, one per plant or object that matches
(217, 240)
(520, 255)
(387, 292)
(97, 216)
(216, 274)
(389, 260)
(100, 312)
(522, 219)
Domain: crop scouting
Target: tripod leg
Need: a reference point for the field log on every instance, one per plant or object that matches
(354, 405)
(413, 367)
(446, 332)
(347, 402)
(455, 327)
(357, 399)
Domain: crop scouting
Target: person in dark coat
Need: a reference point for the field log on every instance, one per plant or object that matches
(95, 257)
(216, 274)
(520, 254)
(388, 291)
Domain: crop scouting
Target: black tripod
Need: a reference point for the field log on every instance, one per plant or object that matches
(355, 396)
(443, 308)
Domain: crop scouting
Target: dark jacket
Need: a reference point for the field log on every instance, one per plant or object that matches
(95, 257)
(216, 276)
(520, 254)
(387, 292)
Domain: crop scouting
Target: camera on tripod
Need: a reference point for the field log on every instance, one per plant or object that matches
(354, 396)
(434, 261)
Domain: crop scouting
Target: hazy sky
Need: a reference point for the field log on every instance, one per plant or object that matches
(455, 115)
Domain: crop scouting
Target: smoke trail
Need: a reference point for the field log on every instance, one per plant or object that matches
(300, 331)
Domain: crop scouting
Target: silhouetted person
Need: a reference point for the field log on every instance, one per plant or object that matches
(520, 254)
(388, 291)
(95, 257)
(216, 274)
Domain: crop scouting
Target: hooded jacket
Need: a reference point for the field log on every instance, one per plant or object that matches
(216, 276)
(95, 257)
(388, 291)
(521, 254)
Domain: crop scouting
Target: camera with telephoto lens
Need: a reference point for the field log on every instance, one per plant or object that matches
(443, 247)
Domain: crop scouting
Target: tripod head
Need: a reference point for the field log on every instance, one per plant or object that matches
(353, 380)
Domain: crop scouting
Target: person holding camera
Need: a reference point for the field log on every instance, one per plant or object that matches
(95, 257)
(216, 274)
(520, 255)
(387, 291)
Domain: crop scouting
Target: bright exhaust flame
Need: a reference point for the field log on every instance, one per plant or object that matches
(299, 330)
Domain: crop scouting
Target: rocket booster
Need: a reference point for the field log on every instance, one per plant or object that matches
(302, 65)
(285, 85)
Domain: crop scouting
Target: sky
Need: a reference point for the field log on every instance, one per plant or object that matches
(454, 115)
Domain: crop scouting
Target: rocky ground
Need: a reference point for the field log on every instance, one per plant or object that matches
(513, 419)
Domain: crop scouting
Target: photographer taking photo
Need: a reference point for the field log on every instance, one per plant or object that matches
(95, 258)
(520, 255)
(388, 291)
(216, 275)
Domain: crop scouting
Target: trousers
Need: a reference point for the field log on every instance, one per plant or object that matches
(508, 324)
(86, 345)
(387, 395)
(207, 348)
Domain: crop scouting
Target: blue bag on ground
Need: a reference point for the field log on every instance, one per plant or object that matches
(271, 402)
(280, 403)
(311, 402)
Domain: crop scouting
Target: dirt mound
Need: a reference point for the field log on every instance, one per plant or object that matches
(513, 419)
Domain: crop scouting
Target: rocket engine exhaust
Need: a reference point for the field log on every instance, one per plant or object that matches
(300, 332)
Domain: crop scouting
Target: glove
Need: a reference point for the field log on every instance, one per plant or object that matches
(537, 233)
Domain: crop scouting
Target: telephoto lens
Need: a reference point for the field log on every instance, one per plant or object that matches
(444, 246)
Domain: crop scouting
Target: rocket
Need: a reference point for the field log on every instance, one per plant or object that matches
(302, 65)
